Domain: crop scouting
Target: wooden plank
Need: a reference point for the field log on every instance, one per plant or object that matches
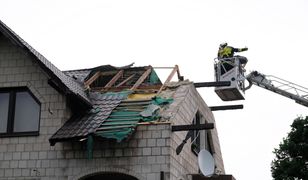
(180, 78)
(228, 107)
(114, 79)
(212, 84)
(92, 79)
(192, 127)
(175, 69)
(142, 78)
(126, 80)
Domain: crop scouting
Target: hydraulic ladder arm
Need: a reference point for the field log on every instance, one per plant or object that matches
(279, 86)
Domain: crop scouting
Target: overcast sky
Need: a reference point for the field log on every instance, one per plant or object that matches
(83, 34)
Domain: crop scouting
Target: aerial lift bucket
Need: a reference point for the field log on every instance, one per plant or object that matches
(229, 69)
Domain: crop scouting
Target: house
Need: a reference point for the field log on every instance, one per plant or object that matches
(100, 123)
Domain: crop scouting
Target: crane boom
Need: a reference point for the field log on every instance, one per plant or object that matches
(279, 86)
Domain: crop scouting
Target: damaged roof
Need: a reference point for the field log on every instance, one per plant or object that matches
(121, 97)
(116, 98)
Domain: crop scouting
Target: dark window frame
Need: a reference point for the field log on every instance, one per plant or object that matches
(11, 112)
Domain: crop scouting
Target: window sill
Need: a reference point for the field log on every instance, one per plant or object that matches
(21, 134)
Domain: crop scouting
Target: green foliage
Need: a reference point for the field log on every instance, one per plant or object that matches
(291, 161)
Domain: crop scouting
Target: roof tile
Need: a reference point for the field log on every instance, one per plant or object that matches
(86, 124)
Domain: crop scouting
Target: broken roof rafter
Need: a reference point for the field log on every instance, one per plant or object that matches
(92, 79)
(126, 80)
(114, 79)
(142, 78)
(175, 70)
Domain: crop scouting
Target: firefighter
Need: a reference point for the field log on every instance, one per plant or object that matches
(227, 53)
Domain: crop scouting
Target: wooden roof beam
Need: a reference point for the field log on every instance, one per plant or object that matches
(126, 80)
(92, 79)
(142, 78)
(175, 69)
(114, 79)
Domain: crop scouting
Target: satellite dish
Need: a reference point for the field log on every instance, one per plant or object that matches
(206, 163)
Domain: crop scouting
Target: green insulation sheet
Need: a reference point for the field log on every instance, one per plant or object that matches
(123, 120)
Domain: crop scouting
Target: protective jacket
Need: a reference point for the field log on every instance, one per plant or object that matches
(228, 51)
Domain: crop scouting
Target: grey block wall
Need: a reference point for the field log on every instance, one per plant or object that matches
(28, 156)
(187, 102)
(150, 151)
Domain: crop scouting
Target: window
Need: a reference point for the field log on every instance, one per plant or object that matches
(19, 112)
(195, 139)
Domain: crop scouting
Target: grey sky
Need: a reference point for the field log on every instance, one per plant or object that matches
(83, 34)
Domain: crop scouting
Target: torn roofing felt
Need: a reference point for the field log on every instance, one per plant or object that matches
(124, 119)
(82, 125)
(113, 116)
(66, 83)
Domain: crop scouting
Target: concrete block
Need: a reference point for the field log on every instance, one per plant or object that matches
(161, 159)
(13, 164)
(54, 163)
(31, 164)
(146, 151)
(17, 172)
(50, 172)
(155, 168)
(42, 155)
(22, 164)
(151, 159)
(4, 164)
(161, 142)
(128, 152)
(25, 155)
(51, 154)
(1, 172)
(118, 152)
(8, 172)
(165, 150)
(152, 176)
(20, 147)
(11, 147)
(3, 147)
(60, 154)
(25, 172)
(156, 151)
(16, 155)
(28, 147)
(146, 168)
(165, 133)
(151, 142)
(8, 156)
(156, 134)
(33, 155)
(142, 143)
(45, 163)
(146, 134)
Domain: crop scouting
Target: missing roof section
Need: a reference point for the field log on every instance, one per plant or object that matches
(110, 78)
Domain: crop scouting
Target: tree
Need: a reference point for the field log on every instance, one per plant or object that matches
(291, 161)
